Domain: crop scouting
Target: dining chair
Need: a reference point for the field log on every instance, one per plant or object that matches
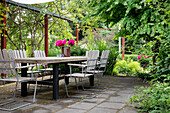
(8, 66)
(101, 68)
(91, 65)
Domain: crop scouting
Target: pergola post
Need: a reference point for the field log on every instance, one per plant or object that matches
(46, 34)
(3, 38)
(77, 34)
(123, 52)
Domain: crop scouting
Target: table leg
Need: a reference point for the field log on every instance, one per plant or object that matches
(66, 72)
(91, 80)
(55, 82)
(24, 85)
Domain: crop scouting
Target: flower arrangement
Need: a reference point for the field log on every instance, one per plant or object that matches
(61, 43)
(144, 60)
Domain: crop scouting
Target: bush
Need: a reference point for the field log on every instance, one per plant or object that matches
(111, 60)
(128, 68)
(153, 99)
(131, 56)
(77, 51)
(54, 52)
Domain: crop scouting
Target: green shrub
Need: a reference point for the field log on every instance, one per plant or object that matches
(77, 51)
(128, 68)
(153, 99)
(54, 52)
(131, 56)
(111, 60)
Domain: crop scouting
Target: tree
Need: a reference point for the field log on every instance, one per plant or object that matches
(140, 18)
(26, 27)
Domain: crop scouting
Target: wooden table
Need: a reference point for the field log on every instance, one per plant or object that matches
(49, 60)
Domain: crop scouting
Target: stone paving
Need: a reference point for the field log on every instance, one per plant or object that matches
(113, 99)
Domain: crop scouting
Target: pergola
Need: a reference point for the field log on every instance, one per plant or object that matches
(3, 39)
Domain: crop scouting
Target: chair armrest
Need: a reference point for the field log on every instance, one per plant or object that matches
(79, 65)
(25, 66)
(85, 62)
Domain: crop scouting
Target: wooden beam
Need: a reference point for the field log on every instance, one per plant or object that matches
(46, 34)
(37, 10)
(77, 34)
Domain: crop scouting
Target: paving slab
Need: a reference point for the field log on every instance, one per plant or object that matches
(102, 110)
(82, 105)
(69, 110)
(111, 105)
(128, 110)
(114, 99)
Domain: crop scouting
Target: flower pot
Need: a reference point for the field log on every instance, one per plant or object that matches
(66, 51)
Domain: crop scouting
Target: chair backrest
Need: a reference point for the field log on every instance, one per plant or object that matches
(8, 62)
(24, 54)
(21, 54)
(35, 53)
(104, 58)
(43, 52)
(1, 64)
(92, 60)
(86, 53)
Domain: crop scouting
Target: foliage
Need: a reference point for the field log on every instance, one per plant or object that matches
(161, 71)
(3, 15)
(153, 99)
(129, 56)
(140, 19)
(77, 51)
(128, 68)
(27, 27)
(144, 60)
(111, 60)
(54, 52)
(147, 21)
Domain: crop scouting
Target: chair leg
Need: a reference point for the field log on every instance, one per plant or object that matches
(15, 90)
(66, 88)
(35, 91)
(82, 97)
(5, 109)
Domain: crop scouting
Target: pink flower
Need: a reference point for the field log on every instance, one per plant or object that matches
(71, 42)
(142, 54)
(64, 41)
(139, 57)
(60, 43)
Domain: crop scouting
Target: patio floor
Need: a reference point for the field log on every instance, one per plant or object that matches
(114, 99)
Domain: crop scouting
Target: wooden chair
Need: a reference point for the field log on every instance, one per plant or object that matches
(91, 65)
(21, 54)
(101, 65)
(7, 66)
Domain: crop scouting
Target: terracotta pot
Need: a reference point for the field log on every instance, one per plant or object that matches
(66, 51)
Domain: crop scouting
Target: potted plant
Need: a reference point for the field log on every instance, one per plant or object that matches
(65, 46)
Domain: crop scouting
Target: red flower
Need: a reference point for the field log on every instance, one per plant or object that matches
(139, 57)
(71, 42)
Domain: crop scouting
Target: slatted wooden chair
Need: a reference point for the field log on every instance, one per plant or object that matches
(101, 68)
(7, 66)
(21, 54)
(102, 63)
(39, 53)
(91, 65)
